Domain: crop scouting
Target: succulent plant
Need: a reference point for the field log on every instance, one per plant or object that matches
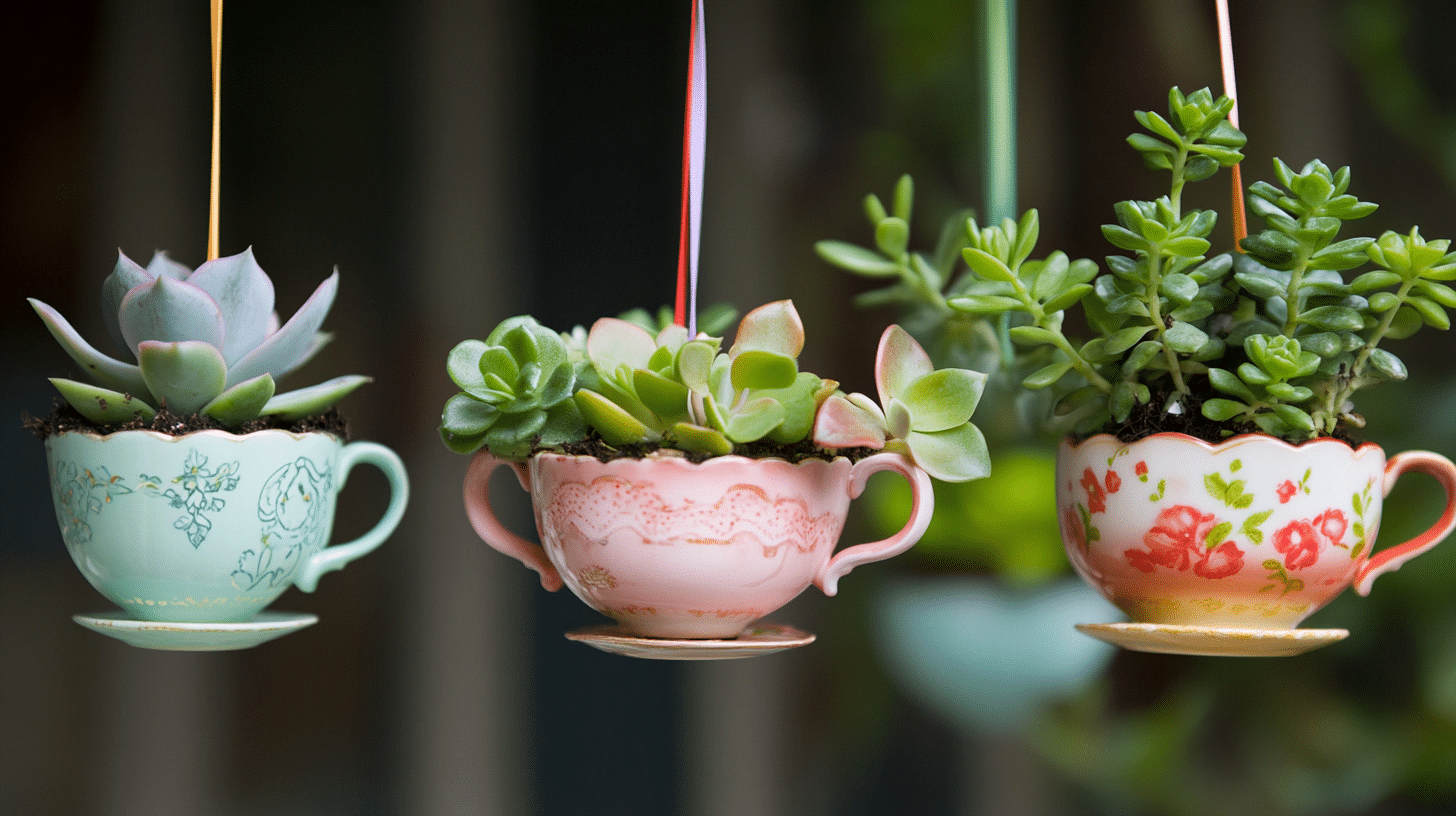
(922, 412)
(1273, 340)
(631, 385)
(516, 385)
(197, 342)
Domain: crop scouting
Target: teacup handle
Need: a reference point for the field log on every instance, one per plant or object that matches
(1392, 558)
(921, 509)
(336, 556)
(490, 530)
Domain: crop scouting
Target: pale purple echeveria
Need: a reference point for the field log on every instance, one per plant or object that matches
(205, 342)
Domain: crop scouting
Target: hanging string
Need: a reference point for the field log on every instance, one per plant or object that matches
(1231, 90)
(214, 196)
(695, 131)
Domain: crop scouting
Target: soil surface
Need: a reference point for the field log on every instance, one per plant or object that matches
(793, 453)
(63, 418)
(1149, 418)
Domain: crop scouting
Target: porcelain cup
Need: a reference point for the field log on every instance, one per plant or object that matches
(675, 549)
(209, 527)
(1250, 533)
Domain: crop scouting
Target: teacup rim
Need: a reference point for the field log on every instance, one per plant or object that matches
(1237, 440)
(210, 433)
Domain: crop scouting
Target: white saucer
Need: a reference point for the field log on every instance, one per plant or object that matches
(761, 638)
(1214, 641)
(196, 637)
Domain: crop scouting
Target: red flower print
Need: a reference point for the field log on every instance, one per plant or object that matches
(1177, 536)
(1176, 541)
(1096, 499)
(1141, 469)
(1220, 562)
(1286, 491)
(1299, 543)
(1332, 525)
(1114, 482)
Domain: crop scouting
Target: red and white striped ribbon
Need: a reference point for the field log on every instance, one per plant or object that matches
(695, 133)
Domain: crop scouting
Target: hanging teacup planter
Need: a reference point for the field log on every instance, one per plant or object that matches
(714, 485)
(189, 491)
(1225, 548)
(676, 550)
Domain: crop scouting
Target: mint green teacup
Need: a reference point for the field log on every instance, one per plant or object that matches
(209, 527)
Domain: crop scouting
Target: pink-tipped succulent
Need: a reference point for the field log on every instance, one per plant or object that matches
(198, 342)
(923, 412)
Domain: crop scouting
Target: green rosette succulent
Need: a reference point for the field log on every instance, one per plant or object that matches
(201, 342)
(516, 387)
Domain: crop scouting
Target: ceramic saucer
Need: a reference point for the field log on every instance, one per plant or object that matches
(1214, 641)
(196, 637)
(762, 638)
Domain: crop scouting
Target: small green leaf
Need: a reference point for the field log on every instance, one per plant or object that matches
(943, 399)
(1046, 376)
(102, 405)
(1184, 338)
(892, 236)
(987, 265)
(856, 259)
(1217, 534)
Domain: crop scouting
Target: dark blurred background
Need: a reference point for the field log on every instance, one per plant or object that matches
(464, 160)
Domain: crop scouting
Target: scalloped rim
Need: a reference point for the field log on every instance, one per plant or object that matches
(682, 461)
(208, 432)
(1231, 442)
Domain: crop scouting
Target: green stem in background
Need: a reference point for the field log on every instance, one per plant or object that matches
(999, 128)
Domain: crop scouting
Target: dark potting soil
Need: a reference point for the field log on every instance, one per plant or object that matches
(63, 418)
(1149, 418)
(792, 453)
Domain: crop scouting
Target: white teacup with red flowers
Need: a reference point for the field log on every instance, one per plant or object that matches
(1251, 533)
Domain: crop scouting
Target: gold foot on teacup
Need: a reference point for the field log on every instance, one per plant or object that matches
(196, 637)
(1212, 641)
(760, 639)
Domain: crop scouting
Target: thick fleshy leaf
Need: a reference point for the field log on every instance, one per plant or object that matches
(899, 362)
(463, 365)
(754, 420)
(761, 370)
(616, 426)
(956, 455)
(615, 343)
(162, 265)
(665, 398)
(102, 405)
(697, 439)
(287, 348)
(943, 399)
(183, 376)
(242, 402)
(170, 311)
(774, 327)
(109, 372)
(125, 277)
(244, 294)
(315, 399)
(842, 424)
(464, 415)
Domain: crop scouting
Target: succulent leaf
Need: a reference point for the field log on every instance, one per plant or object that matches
(773, 327)
(102, 405)
(244, 295)
(289, 346)
(114, 374)
(315, 399)
(241, 402)
(184, 375)
(170, 311)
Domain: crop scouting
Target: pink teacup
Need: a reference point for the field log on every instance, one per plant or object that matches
(1250, 533)
(675, 549)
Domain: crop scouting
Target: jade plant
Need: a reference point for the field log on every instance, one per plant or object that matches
(203, 342)
(1275, 338)
(638, 382)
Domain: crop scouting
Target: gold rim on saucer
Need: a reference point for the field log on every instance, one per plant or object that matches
(759, 639)
(1214, 641)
